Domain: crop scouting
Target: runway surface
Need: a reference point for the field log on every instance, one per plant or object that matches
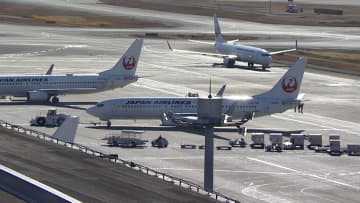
(332, 102)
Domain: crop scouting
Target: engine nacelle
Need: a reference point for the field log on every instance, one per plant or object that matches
(37, 96)
(229, 62)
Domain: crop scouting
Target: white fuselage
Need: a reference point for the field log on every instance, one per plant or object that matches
(153, 108)
(244, 53)
(59, 84)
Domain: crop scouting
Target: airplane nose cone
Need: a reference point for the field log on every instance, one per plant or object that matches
(92, 111)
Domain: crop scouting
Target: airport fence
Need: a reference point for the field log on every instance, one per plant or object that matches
(114, 158)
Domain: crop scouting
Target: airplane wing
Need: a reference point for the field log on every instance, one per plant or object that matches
(201, 53)
(202, 42)
(63, 91)
(233, 41)
(285, 51)
(282, 51)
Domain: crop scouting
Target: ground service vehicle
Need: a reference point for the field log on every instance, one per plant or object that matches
(52, 118)
(127, 138)
(160, 142)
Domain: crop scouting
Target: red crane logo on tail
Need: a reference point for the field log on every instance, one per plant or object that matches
(129, 62)
(289, 84)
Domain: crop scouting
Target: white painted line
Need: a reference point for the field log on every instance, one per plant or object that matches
(304, 173)
(223, 170)
(156, 89)
(314, 124)
(39, 184)
(338, 120)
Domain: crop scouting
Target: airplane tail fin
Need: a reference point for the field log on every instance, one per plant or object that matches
(66, 132)
(128, 62)
(220, 93)
(218, 35)
(50, 70)
(288, 86)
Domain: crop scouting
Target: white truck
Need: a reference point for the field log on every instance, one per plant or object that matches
(51, 119)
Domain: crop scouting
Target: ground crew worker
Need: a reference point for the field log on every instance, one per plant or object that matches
(301, 107)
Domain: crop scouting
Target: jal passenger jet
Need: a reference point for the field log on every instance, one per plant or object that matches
(42, 88)
(232, 51)
(284, 95)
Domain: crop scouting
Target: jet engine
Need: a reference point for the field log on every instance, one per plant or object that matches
(229, 62)
(37, 96)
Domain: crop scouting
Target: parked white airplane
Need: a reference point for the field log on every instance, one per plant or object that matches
(284, 95)
(232, 51)
(40, 88)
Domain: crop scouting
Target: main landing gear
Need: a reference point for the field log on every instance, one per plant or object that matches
(108, 124)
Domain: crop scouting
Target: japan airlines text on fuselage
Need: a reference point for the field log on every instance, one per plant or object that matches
(40, 88)
(284, 95)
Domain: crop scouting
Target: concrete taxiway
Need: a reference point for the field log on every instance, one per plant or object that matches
(332, 104)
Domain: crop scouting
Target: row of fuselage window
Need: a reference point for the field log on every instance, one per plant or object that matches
(181, 106)
(46, 83)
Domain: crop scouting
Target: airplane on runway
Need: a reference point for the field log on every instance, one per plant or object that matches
(232, 51)
(42, 88)
(284, 95)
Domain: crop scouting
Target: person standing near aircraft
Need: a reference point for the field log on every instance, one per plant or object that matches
(42, 88)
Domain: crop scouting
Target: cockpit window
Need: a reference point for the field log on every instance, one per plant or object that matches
(99, 105)
(265, 54)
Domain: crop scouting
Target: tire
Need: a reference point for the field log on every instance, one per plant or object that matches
(41, 121)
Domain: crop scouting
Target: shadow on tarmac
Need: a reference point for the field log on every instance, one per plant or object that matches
(255, 68)
(194, 130)
(71, 105)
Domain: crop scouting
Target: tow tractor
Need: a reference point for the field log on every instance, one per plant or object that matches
(51, 119)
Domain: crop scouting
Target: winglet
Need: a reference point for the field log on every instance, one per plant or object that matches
(50, 70)
(168, 43)
(66, 132)
(296, 44)
(221, 91)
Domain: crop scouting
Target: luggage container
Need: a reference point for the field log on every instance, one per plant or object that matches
(315, 140)
(297, 140)
(353, 150)
(258, 140)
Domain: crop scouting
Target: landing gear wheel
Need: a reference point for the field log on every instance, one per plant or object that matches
(55, 100)
(41, 121)
(251, 65)
(108, 124)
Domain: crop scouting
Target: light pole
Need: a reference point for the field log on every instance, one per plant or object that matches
(270, 6)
